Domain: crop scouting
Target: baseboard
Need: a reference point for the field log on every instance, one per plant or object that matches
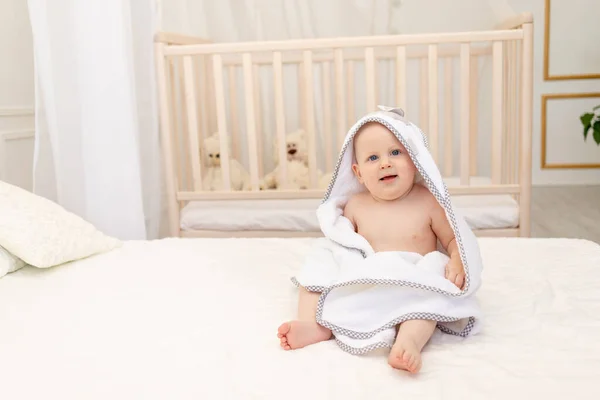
(17, 134)
(564, 184)
(17, 111)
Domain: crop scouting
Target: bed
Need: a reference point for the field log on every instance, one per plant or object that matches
(469, 92)
(197, 319)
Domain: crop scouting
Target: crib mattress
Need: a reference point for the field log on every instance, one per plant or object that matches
(197, 319)
(480, 212)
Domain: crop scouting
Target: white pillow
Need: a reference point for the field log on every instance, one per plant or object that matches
(42, 233)
(9, 263)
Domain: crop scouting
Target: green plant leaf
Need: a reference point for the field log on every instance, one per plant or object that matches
(586, 119)
(585, 131)
(596, 135)
(597, 107)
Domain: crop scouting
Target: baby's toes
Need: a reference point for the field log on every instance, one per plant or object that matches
(413, 362)
(400, 355)
(396, 358)
(416, 366)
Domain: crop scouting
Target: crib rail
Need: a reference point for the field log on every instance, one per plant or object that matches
(469, 92)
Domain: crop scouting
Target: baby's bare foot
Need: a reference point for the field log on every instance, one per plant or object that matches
(405, 355)
(297, 334)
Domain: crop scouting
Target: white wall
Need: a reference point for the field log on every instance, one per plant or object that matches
(416, 16)
(572, 147)
(16, 94)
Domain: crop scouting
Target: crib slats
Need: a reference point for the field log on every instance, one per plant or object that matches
(184, 122)
(512, 151)
(259, 124)
(526, 88)
(210, 87)
(204, 97)
(221, 120)
(340, 92)
(326, 131)
(301, 101)
(401, 78)
(250, 120)
(505, 110)
(497, 122)
(233, 112)
(448, 141)
(310, 118)
(473, 113)
(370, 79)
(165, 129)
(197, 62)
(174, 121)
(424, 97)
(465, 159)
(280, 116)
(433, 101)
(350, 94)
(190, 98)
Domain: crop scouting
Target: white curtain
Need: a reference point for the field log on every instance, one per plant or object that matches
(96, 150)
(246, 20)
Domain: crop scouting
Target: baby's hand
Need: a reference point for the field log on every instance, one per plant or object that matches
(455, 271)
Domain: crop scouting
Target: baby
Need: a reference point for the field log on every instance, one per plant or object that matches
(394, 214)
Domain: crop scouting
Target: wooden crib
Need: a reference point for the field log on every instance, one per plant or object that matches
(471, 93)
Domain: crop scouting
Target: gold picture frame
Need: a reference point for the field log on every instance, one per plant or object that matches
(545, 98)
(547, 76)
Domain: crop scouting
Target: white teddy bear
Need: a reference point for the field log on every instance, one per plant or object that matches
(298, 176)
(213, 175)
(296, 147)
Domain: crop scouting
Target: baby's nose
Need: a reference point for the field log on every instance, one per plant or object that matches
(384, 163)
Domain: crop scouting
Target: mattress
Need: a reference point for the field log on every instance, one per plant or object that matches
(197, 319)
(479, 211)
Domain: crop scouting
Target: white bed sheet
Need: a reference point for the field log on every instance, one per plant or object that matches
(197, 319)
(480, 212)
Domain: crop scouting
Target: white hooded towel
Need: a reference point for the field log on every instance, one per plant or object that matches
(364, 295)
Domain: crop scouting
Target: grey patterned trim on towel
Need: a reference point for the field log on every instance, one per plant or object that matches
(366, 335)
(361, 350)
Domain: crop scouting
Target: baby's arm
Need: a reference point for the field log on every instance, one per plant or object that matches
(455, 272)
(350, 211)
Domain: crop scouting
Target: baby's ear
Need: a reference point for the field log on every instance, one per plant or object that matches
(356, 171)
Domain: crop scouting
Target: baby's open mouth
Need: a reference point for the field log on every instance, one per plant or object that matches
(388, 178)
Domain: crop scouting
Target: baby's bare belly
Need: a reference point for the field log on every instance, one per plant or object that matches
(418, 241)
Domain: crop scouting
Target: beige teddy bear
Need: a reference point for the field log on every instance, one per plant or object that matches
(296, 147)
(297, 172)
(213, 175)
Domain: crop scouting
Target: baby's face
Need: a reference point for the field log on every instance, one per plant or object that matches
(382, 163)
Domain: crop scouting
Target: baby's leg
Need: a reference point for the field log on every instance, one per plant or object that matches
(412, 337)
(305, 330)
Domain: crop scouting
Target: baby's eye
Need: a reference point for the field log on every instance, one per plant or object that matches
(395, 152)
(372, 158)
